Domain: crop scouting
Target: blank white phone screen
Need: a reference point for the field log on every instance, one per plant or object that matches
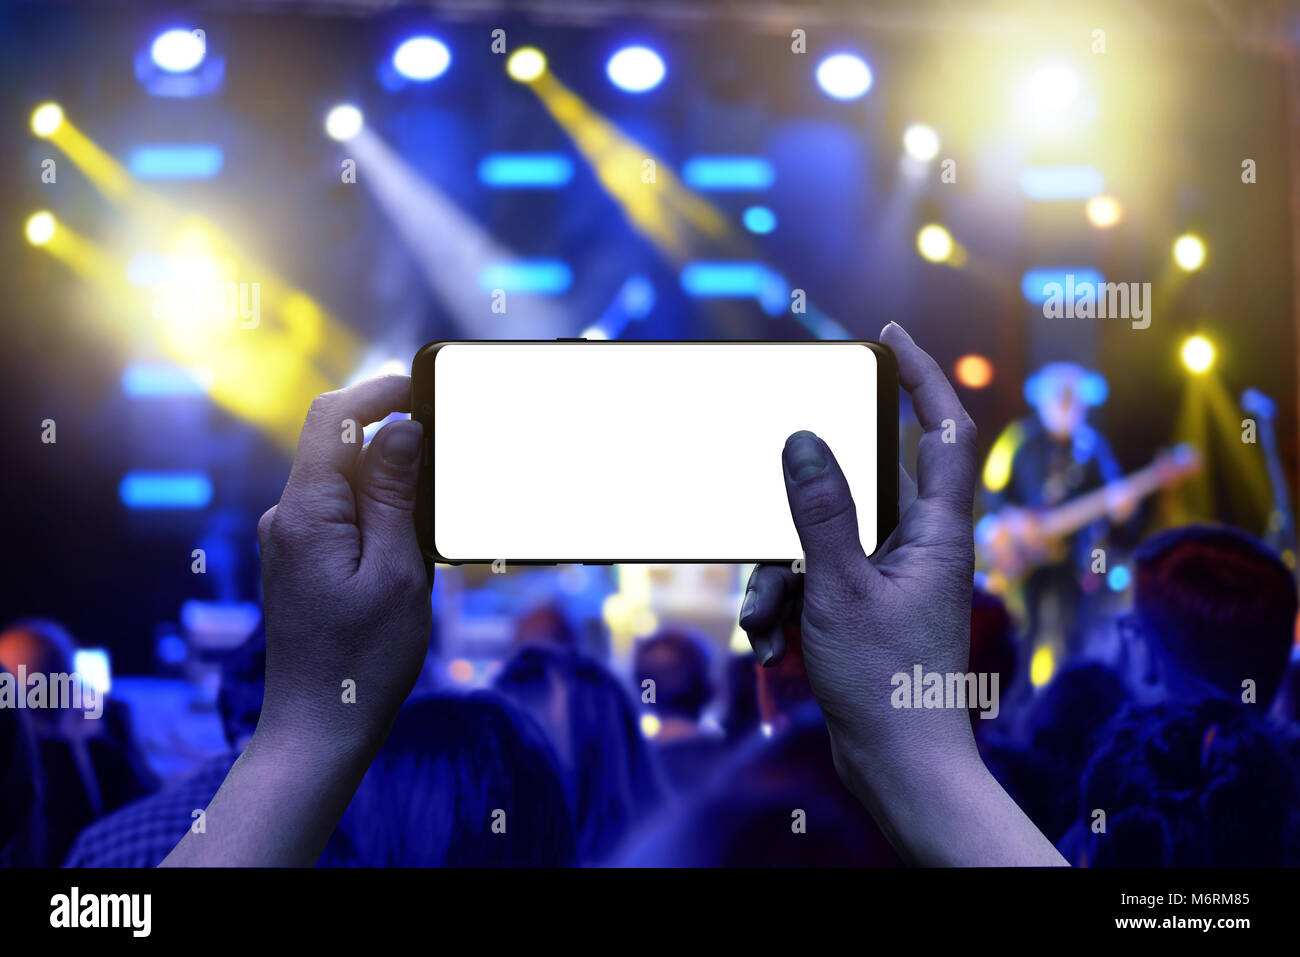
(608, 451)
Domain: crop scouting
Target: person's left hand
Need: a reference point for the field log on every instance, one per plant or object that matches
(346, 589)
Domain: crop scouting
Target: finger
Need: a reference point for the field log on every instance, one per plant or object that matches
(332, 436)
(906, 490)
(386, 489)
(264, 528)
(822, 506)
(946, 458)
(762, 613)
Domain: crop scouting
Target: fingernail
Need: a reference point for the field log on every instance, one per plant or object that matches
(747, 608)
(804, 457)
(898, 330)
(402, 442)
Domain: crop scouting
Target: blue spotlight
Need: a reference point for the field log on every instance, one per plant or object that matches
(1071, 279)
(707, 280)
(179, 51)
(421, 58)
(728, 172)
(188, 161)
(547, 277)
(143, 380)
(525, 170)
(635, 69)
(165, 490)
(1119, 578)
(759, 219)
(844, 76)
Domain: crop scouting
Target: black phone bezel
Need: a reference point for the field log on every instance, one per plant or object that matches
(422, 369)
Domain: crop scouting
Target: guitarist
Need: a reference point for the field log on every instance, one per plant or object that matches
(1049, 458)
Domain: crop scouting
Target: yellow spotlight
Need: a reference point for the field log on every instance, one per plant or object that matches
(973, 371)
(46, 119)
(650, 725)
(526, 64)
(40, 228)
(1198, 354)
(1189, 252)
(1042, 665)
(921, 142)
(934, 243)
(1103, 211)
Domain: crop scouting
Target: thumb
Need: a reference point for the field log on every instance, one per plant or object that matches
(821, 505)
(386, 488)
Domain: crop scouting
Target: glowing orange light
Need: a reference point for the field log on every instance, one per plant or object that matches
(461, 671)
(974, 372)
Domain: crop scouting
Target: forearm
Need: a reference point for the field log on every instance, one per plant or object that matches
(276, 808)
(948, 811)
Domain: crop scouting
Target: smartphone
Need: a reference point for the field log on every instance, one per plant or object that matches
(576, 451)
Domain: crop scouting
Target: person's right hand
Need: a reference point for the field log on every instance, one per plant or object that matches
(863, 620)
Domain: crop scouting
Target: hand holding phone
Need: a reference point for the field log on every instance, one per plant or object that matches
(861, 621)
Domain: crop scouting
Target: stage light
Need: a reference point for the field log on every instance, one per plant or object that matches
(934, 243)
(594, 333)
(759, 219)
(46, 119)
(145, 490)
(1054, 85)
(526, 64)
(973, 371)
(1119, 578)
(1052, 101)
(40, 228)
(460, 671)
(844, 76)
(650, 725)
(95, 669)
(1103, 211)
(728, 173)
(1061, 182)
(344, 122)
(1189, 252)
(921, 142)
(1197, 354)
(178, 51)
(173, 162)
(635, 69)
(1042, 665)
(525, 170)
(421, 58)
(546, 277)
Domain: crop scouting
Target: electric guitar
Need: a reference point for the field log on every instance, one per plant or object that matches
(1015, 540)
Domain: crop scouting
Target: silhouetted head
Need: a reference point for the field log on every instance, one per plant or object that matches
(1067, 719)
(1213, 607)
(777, 802)
(679, 664)
(546, 625)
(742, 696)
(1202, 784)
(22, 831)
(1061, 393)
(611, 774)
(462, 781)
(39, 645)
